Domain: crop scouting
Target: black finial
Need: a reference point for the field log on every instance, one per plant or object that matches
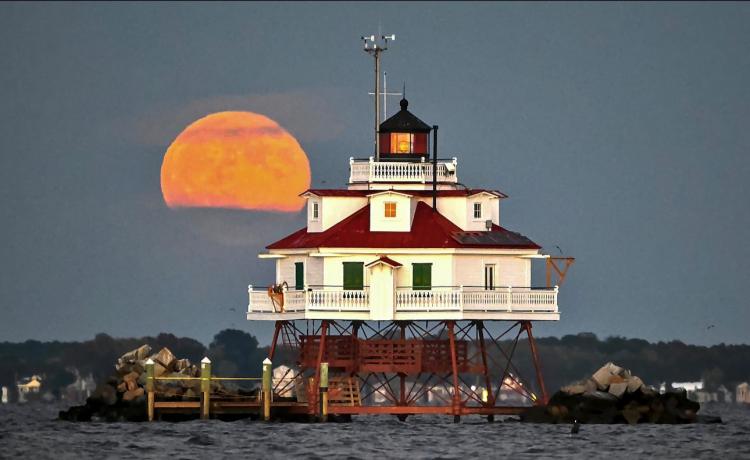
(404, 104)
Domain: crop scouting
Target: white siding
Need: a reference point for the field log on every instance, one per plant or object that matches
(442, 272)
(285, 269)
(314, 224)
(338, 208)
(314, 271)
(331, 210)
(404, 213)
(333, 268)
(509, 270)
(489, 211)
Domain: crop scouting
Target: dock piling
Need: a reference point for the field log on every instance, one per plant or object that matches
(205, 388)
(150, 388)
(324, 392)
(267, 389)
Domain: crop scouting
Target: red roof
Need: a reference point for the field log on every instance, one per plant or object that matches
(386, 260)
(429, 230)
(421, 193)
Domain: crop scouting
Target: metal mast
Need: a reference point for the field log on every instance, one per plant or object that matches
(374, 46)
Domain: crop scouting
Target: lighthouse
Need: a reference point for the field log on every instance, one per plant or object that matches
(406, 289)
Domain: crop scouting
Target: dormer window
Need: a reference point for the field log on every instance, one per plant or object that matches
(390, 209)
(477, 210)
(315, 210)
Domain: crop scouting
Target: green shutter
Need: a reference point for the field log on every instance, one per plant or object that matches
(421, 276)
(354, 275)
(299, 276)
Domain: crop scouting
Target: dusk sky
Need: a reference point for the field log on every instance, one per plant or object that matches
(620, 132)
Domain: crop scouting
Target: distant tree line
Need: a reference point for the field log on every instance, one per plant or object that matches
(574, 357)
(237, 353)
(233, 352)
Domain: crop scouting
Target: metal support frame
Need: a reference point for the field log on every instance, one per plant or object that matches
(561, 271)
(415, 367)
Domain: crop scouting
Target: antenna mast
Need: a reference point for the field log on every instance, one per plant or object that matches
(374, 46)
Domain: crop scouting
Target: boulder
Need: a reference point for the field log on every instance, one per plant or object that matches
(631, 413)
(634, 384)
(165, 358)
(618, 389)
(603, 376)
(132, 394)
(131, 385)
(575, 389)
(130, 377)
(182, 365)
(122, 388)
(105, 394)
(138, 354)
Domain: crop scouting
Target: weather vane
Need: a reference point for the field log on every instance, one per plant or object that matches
(374, 46)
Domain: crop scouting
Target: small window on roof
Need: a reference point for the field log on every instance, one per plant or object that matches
(390, 209)
(315, 210)
(477, 210)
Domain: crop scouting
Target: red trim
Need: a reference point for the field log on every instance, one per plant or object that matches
(385, 260)
(428, 230)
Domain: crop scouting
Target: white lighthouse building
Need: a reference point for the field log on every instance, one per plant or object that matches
(404, 240)
(391, 287)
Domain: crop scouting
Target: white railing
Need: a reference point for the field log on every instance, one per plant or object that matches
(396, 171)
(510, 299)
(449, 299)
(260, 302)
(338, 300)
(428, 300)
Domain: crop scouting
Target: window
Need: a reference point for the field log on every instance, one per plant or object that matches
(477, 210)
(489, 277)
(315, 210)
(401, 143)
(354, 275)
(299, 276)
(421, 276)
(390, 209)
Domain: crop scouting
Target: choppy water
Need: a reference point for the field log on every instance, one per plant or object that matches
(32, 431)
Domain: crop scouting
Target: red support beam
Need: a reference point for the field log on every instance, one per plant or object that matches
(276, 331)
(454, 366)
(312, 393)
(487, 379)
(537, 365)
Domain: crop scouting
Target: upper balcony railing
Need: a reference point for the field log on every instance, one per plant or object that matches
(369, 170)
(459, 299)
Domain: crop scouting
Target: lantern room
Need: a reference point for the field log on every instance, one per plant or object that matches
(404, 136)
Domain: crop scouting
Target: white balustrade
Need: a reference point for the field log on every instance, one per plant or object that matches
(397, 171)
(510, 299)
(455, 299)
(428, 300)
(338, 300)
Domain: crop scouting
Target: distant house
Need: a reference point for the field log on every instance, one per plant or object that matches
(29, 386)
(743, 393)
(696, 392)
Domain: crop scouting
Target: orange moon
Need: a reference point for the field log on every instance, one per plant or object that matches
(239, 160)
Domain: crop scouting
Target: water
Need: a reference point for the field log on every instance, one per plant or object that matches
(32, 431)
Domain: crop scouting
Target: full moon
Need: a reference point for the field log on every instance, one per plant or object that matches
(239, 160)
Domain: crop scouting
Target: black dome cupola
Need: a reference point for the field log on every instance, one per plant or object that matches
(404, 136)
